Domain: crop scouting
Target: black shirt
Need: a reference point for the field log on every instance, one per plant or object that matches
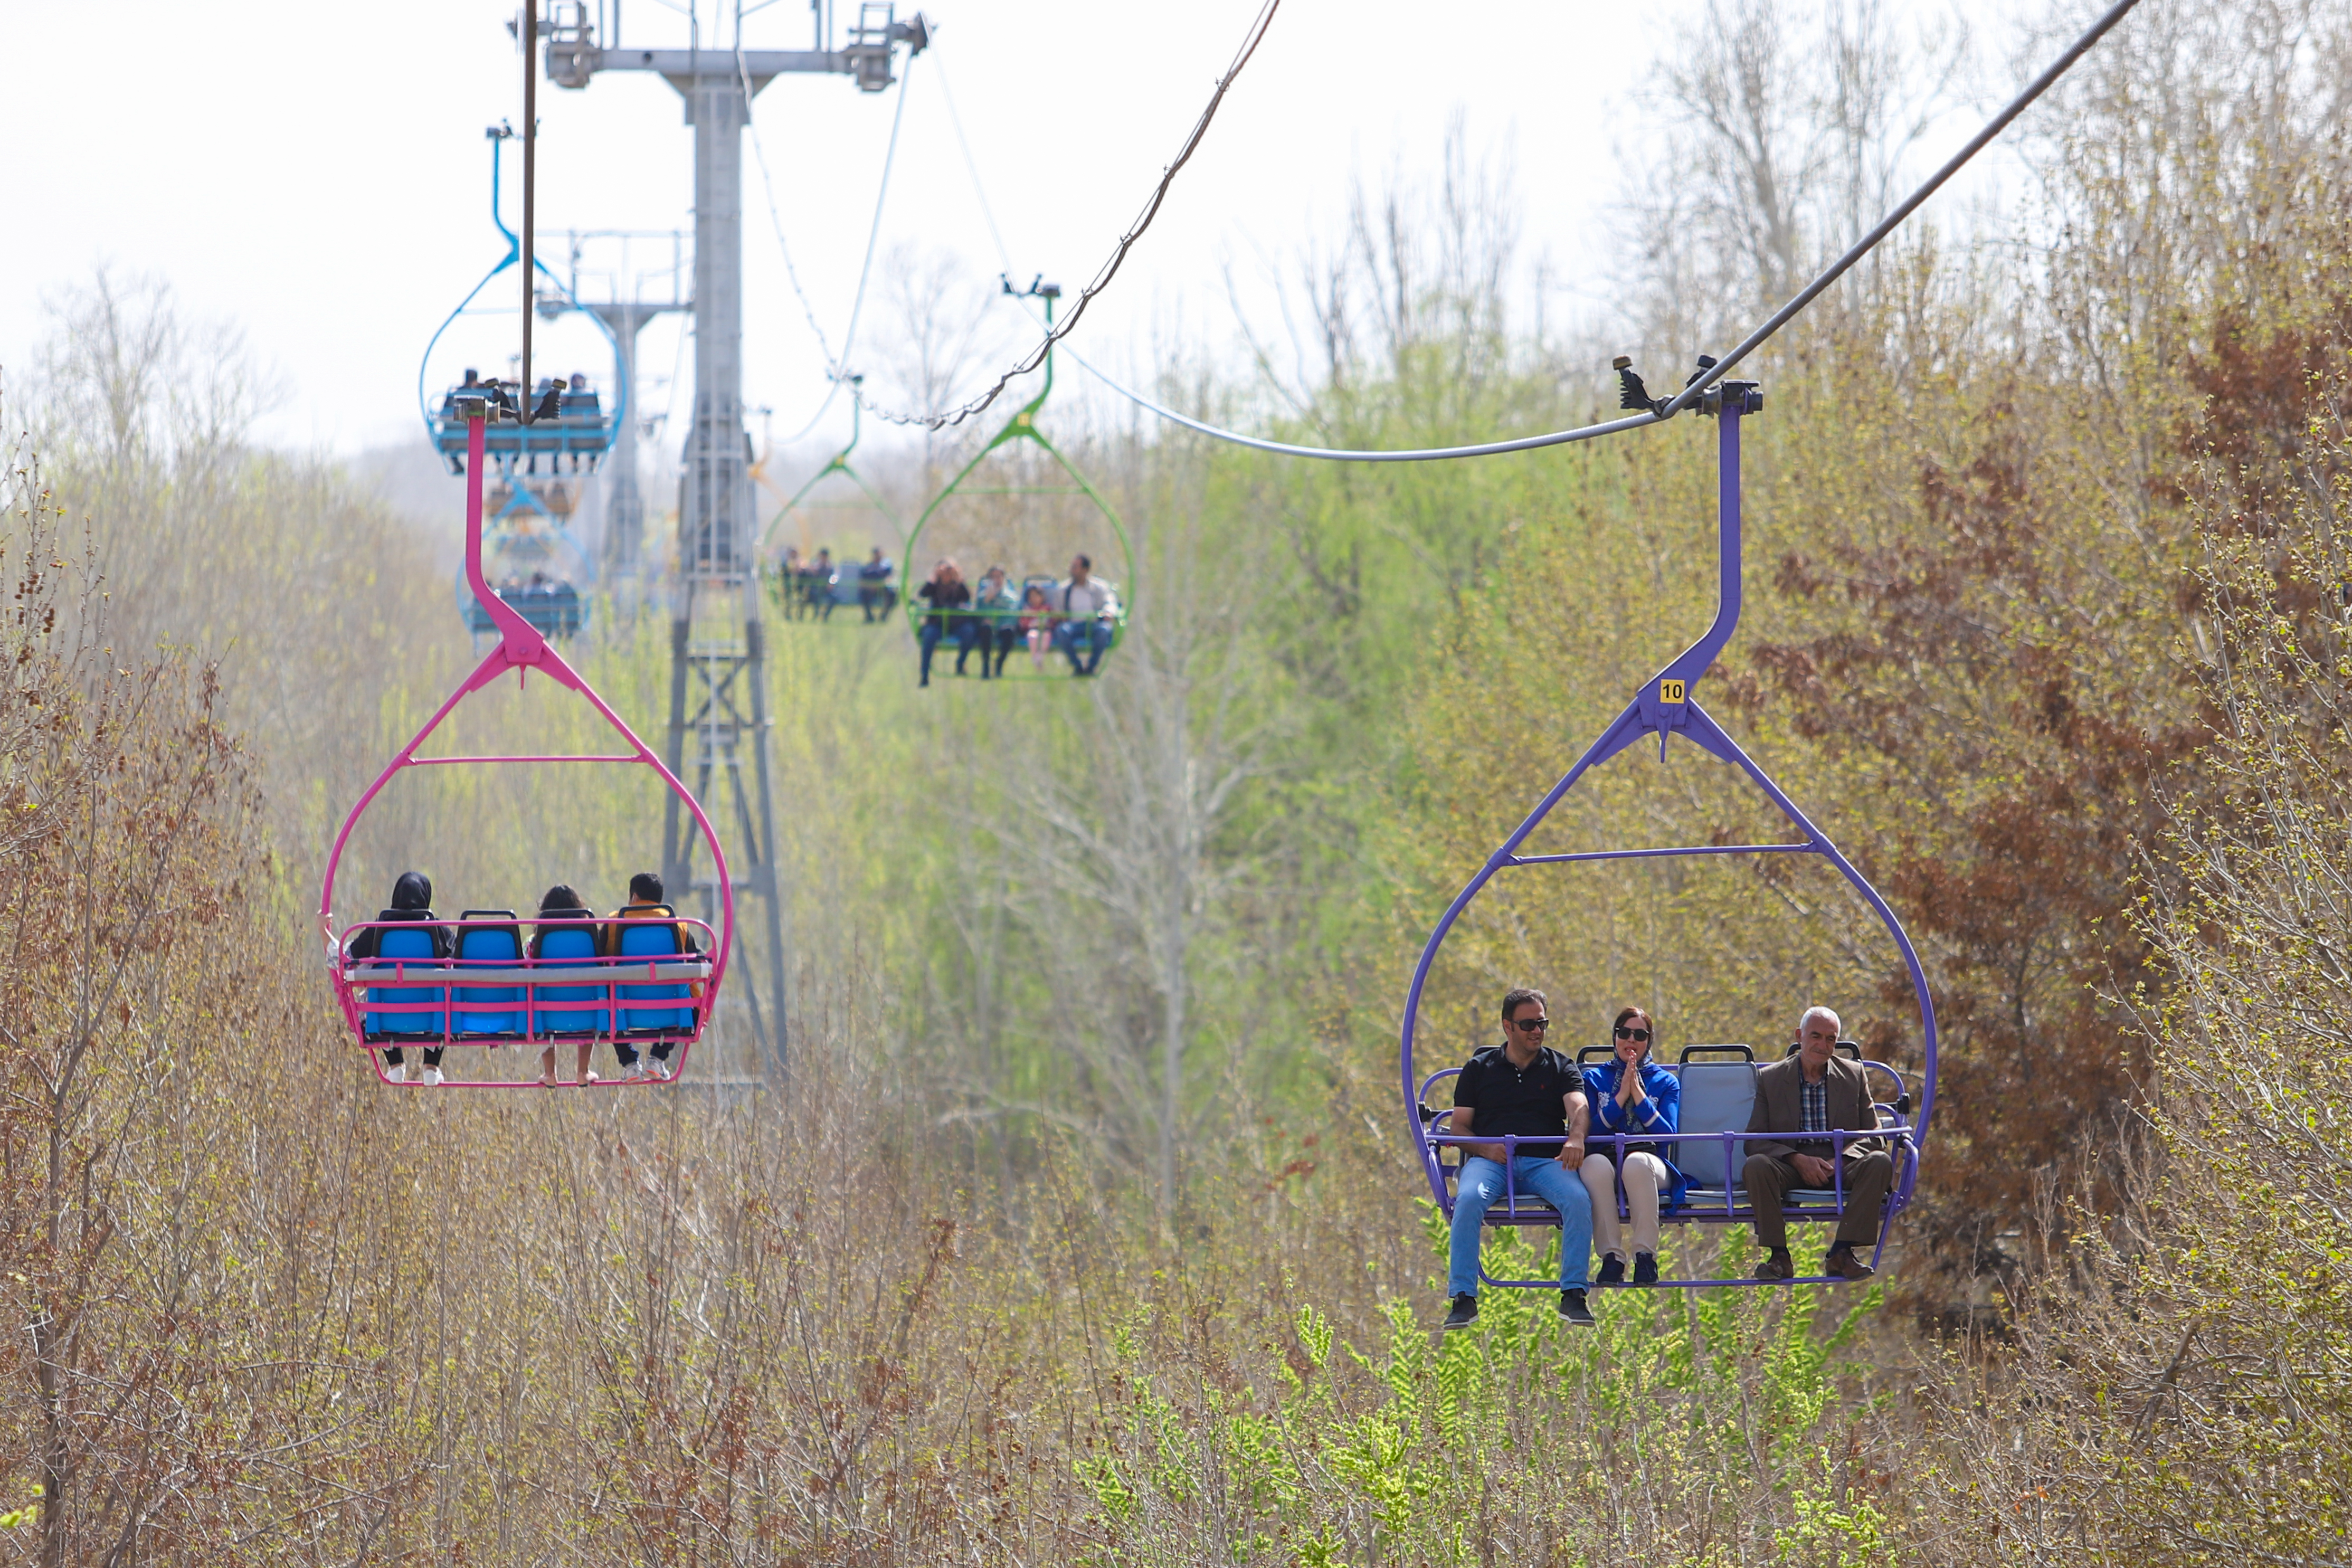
(946, 596)
(1529, 1102)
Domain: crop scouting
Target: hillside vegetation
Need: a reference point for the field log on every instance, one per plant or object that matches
(1084, 1229)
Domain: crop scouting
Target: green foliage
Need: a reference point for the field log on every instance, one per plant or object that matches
(2185, 1387)
(1699, 1425)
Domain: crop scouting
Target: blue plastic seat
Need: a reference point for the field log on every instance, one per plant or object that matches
(652, 938)
(1718, 1096)
(414, 946)
(484, 942)
(556, 947)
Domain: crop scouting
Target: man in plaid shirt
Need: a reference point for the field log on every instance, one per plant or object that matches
(1816, 1090)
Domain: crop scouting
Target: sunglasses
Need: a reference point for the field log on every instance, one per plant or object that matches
(1533, 1026)
(1640, 1034)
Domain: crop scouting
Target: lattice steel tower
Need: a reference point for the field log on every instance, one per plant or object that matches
(718, 686)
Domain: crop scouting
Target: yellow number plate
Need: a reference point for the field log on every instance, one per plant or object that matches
(1671, 692)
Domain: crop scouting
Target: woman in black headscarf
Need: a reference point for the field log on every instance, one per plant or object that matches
(411, 902)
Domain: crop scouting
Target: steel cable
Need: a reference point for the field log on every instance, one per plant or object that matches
(1109, 269)
(963, 144)
(1690, 393)
(837, 369)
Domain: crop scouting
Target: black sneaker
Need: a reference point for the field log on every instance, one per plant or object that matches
(1464, 1313)
(1645, 1268)
(1573, 1310)
(1613, 1270)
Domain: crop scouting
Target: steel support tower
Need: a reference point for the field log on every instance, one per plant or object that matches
(718, 680)
(627, 309)
(624, 502)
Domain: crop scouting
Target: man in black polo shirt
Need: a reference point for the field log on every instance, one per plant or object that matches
(1520, 1087)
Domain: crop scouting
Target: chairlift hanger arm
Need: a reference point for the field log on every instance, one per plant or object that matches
(497, 135)
(839, 465)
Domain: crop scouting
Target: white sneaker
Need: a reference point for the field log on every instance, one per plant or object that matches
(433, 1078)
(635, 1072)
(657, 1070)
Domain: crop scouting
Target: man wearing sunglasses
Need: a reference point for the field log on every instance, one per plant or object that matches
(1524, 1090)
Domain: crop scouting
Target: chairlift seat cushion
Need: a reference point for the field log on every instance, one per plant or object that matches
(1718, 1096)
(577, 941)
(648, 939)
(494, 943)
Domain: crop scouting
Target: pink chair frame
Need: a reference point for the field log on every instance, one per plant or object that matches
(520, 649)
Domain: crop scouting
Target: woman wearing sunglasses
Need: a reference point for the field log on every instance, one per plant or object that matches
(1631, 1094)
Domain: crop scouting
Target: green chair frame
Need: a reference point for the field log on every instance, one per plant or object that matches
(780, 589)
(1022, 426)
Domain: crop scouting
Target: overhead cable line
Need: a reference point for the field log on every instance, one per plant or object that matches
(837, 369)
(1668, 408)
(963, 144)
(1250, 42)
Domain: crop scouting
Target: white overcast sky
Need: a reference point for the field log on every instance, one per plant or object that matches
(315, 172)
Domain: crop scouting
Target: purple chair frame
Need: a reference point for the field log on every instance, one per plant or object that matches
(1666, 705)
(521, 649)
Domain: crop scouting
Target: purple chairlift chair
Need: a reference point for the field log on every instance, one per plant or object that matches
(1716, 1095)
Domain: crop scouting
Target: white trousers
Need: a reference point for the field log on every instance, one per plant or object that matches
(1645, 1174)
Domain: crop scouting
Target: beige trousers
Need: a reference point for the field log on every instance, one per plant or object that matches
(1645, 1174)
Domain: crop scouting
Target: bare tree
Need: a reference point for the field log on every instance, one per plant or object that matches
(944, 329)
(124, 376)
(1782, 138)
(1127, 871)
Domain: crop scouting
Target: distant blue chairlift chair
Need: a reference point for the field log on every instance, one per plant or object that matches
(574, 441)
(1718, 1096)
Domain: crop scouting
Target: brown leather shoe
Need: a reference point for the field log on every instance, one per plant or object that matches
(1844, 1264)
(1776, 1267)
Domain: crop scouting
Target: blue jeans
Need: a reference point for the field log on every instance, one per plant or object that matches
(1481, 1187)
(1095, 634)
(933, 632)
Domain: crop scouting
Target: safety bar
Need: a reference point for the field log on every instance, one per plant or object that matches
(1664, 854)
(1841, 1136)
(1435, 1079)
(1902, 1084)
(576, 973)
(549, 921)
(1907, 1153)
(965, 613)
(447, 761)
(1898, 1136)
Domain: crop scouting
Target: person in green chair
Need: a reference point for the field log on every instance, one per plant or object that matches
(996, 613)
(1082, 608)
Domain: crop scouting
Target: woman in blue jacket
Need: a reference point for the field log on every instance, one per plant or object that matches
(1631, 1094)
